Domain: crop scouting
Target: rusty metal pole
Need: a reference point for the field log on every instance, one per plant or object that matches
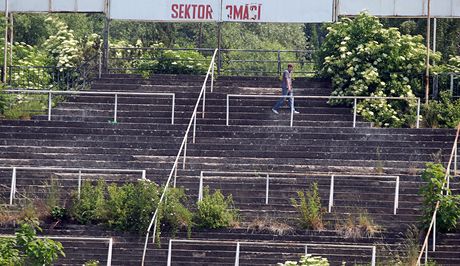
(428, 40)
(5, 51)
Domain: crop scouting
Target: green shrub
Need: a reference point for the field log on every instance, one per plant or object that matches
(307, 260)
(27, 249)
(130, 207)
(442, 113)
(365, 59)
(90, 208)
(174, 214)
(449, 209)
(309, 208)
(215, 210)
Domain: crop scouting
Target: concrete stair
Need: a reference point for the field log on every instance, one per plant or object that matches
(322, 142)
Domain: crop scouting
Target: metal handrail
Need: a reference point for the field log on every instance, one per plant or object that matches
(110, 240)
(239, 243)
(355, 98)
(14, 169)
(445, 184)
(183, 148)
(114, 93)
(268, 175)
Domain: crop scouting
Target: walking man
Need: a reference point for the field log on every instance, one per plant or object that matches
(286, 86)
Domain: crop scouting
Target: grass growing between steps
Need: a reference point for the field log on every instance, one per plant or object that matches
(357, 226)
(308, 206)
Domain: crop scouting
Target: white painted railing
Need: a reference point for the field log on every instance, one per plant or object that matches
(182, 151)
(445, 187)
(64, 238)
(267, 175)
(50, 94)
(354, 98)
(240, 244)
(15, 170)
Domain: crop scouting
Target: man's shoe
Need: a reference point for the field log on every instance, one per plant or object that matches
(296, 112)
(275, 111)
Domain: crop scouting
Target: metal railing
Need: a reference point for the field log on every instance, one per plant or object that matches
(47, 77)
(354, 98)
(228, 61)
(182, 151)
(267, 175)
(239, 245)
(445, 187)
(50, 94)
(108, 240)
(396, 199)
(80, 171)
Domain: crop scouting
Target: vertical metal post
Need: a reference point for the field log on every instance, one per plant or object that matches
(13, 186)
(100, 64)
(374, 255)
(185, 152)
(306, 250)
(115, 109)
(11, 38)
(418, 112)
(144, 174)
(194, 128)
(455, 162)
(212, 74)
(173, 108)
(175, 173)
(292, 108)
(331, 194)
(428, 45)
(219, 50)
(168, 263)
(396, 204)
(105, 51)
(426, 253)
(267, 188)
(204, 100)
(5, 51)
(154, 229)
(200, 189)
(228, 110)
(237, 255)
(279, 62)
(355, 110)
(79, 183)
(109, 254)
(434, 234)
(50, 102)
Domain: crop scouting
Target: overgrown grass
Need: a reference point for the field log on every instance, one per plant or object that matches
(309, 208)
(357, 226)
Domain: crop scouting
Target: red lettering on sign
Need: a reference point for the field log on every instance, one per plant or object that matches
(244, 12)
(175, 13)
(191, 11)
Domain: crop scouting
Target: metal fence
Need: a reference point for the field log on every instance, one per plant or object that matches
(80, 171)
(354, 98)
(267, 176)
(239, 245)
(54, 77)
(116, 95)
(239, 62)
(64, 238)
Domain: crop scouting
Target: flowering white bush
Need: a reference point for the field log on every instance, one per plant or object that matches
(365, 59)
(307, 260)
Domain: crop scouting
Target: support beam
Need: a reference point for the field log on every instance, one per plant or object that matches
(428, 40)
(5, 50)
(105, 47)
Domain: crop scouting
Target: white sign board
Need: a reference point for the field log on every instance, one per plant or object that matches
(290, 11)
(400, 8)
(166, 10)
(46, 6)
